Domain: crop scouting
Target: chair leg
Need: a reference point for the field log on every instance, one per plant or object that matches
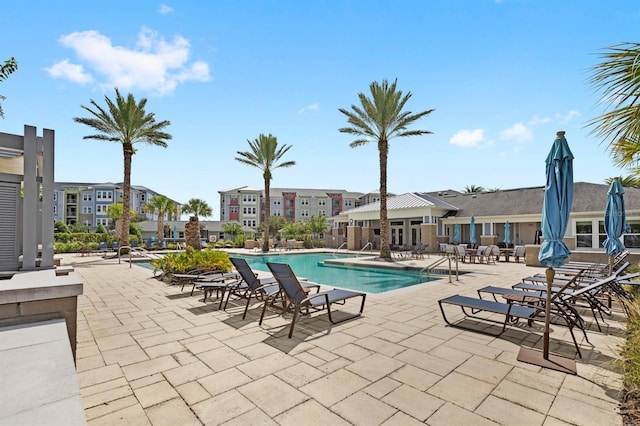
(296, 309)
(246, 307)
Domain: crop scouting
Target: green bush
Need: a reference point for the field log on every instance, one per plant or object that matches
(190, 260)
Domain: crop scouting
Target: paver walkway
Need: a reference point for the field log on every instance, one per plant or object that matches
(151, 354)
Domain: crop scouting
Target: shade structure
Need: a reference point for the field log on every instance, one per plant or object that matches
(557, 202)
(507, 233)
(456, 233)
(175, 232)
(472, 230)
(614, 219)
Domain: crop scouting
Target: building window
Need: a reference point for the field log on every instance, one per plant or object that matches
(102, 221)
(289, 203)
(322, 202)
(322, 212)
(584, 234)
(276, 212)
(87, 197)
(87, 210)
(249, 198)
(348, 203)
(289, 213)
(101, 209)
(55, 196)
(249, 211)
(304, 213)
(632, 238)
(104, 195)
(277, 202)
(304, 201)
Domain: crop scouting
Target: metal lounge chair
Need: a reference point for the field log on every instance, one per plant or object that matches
(252, 286)
(298, 299)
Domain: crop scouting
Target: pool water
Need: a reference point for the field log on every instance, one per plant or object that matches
(360, 278)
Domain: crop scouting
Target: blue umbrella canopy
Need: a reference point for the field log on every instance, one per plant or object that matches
(614, 219)
(175, 232)
(472, 230)
(456, 233)
(507, 233)
(558, 198)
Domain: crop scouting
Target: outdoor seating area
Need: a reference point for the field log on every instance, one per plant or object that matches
(572, 295)
(150, 353)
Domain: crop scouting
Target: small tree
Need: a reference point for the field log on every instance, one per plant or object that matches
(317, 225)
(197, 207)
(100, 229)
(232, 228)
(161, 205)
(60, 227)
(473, 189)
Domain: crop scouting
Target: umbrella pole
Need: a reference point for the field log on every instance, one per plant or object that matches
(544, 358)
(610, 264)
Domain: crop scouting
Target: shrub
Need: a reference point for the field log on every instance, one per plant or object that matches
(190, 260)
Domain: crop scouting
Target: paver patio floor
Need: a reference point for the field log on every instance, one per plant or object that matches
(151, 354)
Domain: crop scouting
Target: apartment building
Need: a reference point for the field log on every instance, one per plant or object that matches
(246, 204)
(87, 203)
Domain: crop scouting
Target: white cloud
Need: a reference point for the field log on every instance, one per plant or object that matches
(311, 107)
(72, 72)
(154, 65)
(538, 120)
(467, 138)
(164, 9)
(518, 132)
(565, 118)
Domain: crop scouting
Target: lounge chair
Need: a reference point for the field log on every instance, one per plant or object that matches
(298, 299)
(252, 286)
(102, 247)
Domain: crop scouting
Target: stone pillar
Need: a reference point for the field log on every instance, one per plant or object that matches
(354, 235)
(428, 235)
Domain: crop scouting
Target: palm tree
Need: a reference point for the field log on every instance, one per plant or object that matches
(197, 207)
(380, 119)
(161, 205)
(232, 228)
(9, 67)
(125, 122)
(265, 155)
(626, 181)
(618, 78)
(470, 189)
(317, 225)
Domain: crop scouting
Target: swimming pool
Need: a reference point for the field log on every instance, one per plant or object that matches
(361, 278)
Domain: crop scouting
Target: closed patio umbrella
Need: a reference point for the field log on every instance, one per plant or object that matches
(556, 207)
(456, 234)
(175, 232)
(614, 221)
(472, 230)
(507, 233)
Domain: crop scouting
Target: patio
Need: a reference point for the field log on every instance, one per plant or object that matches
(150, 354)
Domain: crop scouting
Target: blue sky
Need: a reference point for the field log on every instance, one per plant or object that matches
(502, 77)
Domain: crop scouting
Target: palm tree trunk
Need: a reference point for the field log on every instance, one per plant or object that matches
(385, 251)
(267, 213)
(126, 193)
(160, 226)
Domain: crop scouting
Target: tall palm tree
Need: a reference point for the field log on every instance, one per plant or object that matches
(197, 207)
(380, 119)
(125, 121)
(265, 155)
(161, 205)
(469, 189)
(617, 77)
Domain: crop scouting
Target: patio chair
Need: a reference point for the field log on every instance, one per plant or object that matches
(102, 247)
(298, 299)
(252, 286)
(518, 253)
(278, 245)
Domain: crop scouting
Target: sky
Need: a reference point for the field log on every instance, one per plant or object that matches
(502, 77)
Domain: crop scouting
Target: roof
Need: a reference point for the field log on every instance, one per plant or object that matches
(587, 197)
(407, 200)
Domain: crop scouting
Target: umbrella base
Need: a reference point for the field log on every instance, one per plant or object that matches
(554, 362)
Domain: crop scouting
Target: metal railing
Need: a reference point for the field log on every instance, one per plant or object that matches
(369, 244)
(429, 269)
(341, 245)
